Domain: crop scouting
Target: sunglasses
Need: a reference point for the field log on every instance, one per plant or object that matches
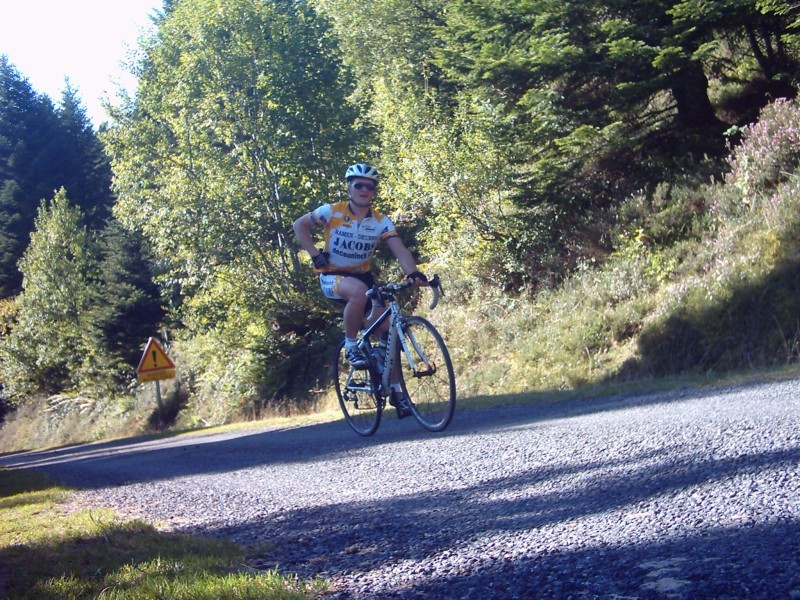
(364, 186)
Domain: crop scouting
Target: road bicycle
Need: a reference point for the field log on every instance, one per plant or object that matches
(415, 356)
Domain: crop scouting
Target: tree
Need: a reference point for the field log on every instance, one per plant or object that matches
(28, 129)
(84, 164)
(562, 107)
(240, 123)
(438, 179)
(763, 25)
(126, 308)
(595, 95)
(85, 308)
(48, 346)
(41, 150)
(573, 81)
(406, 30)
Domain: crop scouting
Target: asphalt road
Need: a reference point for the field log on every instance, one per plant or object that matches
(689, 494)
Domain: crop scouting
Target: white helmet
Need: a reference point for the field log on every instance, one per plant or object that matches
(362, 170)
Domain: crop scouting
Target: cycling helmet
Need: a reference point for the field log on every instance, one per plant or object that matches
(362, 170)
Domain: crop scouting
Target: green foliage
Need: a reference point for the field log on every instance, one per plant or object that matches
(126, 309)
(671, 213)
(83, 164)
(244, 142)
(733, 301)
(508, 129)
(406, 30)
(447, 182)
(587, 90)
(563, 149)
(240, 125)
(48, 346)
(41, 150)
(82, 313)
(254, 370)
(691, 287)
(446, 175)
(27, 128)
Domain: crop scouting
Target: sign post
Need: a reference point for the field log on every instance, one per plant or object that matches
(155, 365)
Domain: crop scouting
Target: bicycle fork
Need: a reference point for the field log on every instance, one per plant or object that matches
(398, 334)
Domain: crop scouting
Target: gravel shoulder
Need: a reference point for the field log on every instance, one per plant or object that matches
(677, 495)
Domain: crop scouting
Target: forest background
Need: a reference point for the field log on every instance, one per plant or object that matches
(609, 191)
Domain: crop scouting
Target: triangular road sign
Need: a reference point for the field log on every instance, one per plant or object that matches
(155, 364)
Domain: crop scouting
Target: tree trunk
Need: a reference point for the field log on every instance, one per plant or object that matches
(690, 89)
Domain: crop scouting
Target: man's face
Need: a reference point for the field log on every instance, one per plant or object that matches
(361, 190)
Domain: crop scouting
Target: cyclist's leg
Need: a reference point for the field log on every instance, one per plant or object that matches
(396, 396)
(354, 293)
(351, 291)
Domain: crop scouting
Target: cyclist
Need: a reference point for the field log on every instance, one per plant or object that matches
(353, 229)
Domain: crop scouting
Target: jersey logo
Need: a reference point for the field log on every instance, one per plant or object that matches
(353, 245)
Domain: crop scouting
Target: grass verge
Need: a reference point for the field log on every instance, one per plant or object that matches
(48, 551)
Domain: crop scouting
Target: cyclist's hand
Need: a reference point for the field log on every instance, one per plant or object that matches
(417, 278)
(320, 260)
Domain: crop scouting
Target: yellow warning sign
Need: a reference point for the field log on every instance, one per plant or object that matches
(155, 365)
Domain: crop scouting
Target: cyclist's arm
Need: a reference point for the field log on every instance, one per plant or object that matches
(403, 256)
(302, 231)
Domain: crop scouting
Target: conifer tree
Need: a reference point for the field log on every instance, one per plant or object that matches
(29, 149)
(86, 307)
(596, 97)
(86, 168)
(127, 308)
(48, 346)
(42, 149)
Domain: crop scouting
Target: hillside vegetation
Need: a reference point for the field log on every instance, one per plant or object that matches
(608, 191)
(703, 280)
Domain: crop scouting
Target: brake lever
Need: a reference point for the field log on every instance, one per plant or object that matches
(436, 285)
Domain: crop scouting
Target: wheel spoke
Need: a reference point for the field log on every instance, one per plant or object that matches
(427, 374)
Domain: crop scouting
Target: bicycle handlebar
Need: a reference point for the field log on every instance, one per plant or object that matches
(435, 284)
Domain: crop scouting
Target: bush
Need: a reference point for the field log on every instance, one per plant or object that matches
(769, 152)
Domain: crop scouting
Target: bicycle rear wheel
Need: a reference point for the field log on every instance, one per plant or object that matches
(362, 408)
(427, 374)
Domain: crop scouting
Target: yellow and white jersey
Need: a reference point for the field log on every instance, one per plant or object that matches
(351, 243)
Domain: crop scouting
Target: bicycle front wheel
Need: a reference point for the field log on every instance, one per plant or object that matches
(427, 374)
(361, 406)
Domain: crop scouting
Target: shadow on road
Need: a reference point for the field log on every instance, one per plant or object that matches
(557, 539)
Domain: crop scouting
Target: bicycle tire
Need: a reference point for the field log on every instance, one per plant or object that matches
(362, 407)
(428, 381)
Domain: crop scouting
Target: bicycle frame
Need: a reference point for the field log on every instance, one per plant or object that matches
(396, 333)
(393, 313)
(426, 375)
